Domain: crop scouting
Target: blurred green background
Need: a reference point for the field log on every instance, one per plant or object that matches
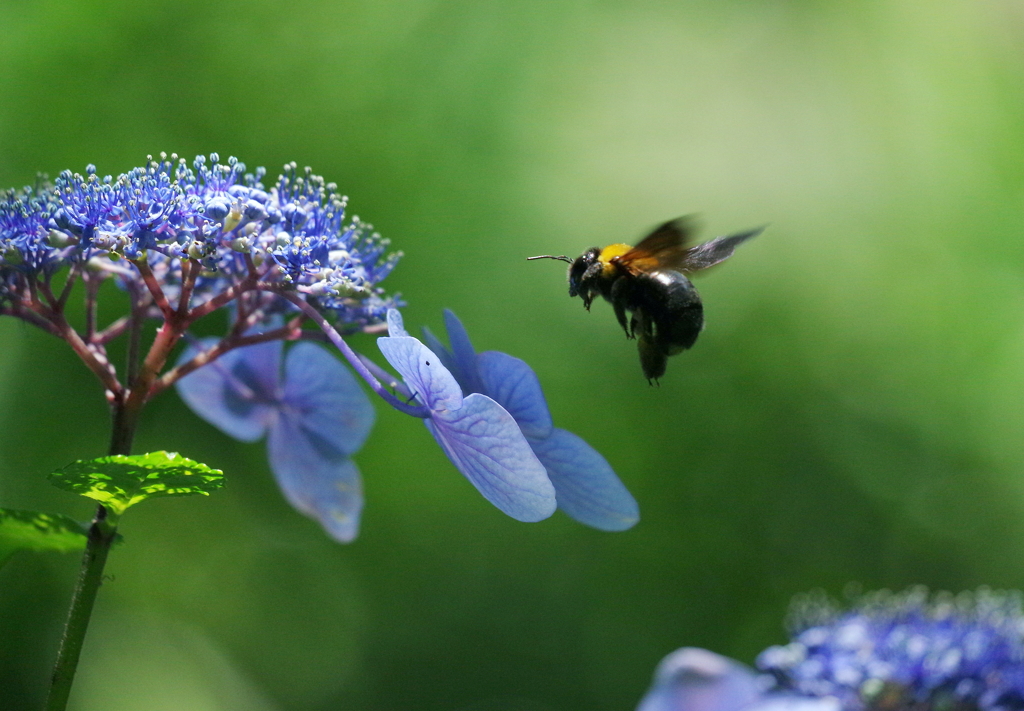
(853, 411)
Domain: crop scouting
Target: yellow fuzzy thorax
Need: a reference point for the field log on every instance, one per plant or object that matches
(609, 253)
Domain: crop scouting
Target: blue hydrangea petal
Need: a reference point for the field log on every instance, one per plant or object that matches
(793, 702)
(326, 397)
(588, 489)
(442, 352)
(514, 385)
(236, 393)
(692, 679)
(465, 369)
(485, 444)
(396, 327)
(316, 477)
(422, 371)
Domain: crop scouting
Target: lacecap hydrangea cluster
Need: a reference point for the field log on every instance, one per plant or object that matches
(215, 213)
(907, 651)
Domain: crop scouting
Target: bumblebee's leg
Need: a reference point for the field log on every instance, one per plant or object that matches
(591, 277)
(587, 294)
(652, 359)
(620, 314)
(619, 298)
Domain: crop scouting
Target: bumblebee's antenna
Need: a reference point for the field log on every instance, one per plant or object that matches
(551, 256)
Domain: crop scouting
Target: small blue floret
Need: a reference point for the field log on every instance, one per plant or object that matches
(315, 417)
(586, 486)
(481, 439)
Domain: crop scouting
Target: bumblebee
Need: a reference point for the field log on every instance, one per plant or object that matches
(648, 284)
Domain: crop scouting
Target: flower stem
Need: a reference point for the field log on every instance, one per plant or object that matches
(350, 355)
(287, 333)
(101, 535)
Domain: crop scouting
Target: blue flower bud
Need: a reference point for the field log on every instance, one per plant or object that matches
(217, 208)
(295, 216)
(254, 211)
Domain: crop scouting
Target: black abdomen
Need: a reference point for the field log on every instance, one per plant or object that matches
(676, 309)
(666, 315)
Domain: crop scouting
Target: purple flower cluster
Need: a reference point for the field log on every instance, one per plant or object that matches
(889, 651)
(293, 233)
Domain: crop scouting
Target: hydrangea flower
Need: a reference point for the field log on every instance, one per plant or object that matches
(586, 487)
(907, 649)
(215, 217)
(313, 412)
(889, 651)
(184, 242)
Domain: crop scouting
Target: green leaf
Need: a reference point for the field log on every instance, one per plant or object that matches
(121, 481)
(37, 531)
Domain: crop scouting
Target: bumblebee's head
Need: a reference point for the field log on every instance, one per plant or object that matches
(580, 272)
(582, 275)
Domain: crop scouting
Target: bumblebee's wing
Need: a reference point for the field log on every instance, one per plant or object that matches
(712, 252)
(664, 248)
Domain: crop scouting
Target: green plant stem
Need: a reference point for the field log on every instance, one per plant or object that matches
(101, 536)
